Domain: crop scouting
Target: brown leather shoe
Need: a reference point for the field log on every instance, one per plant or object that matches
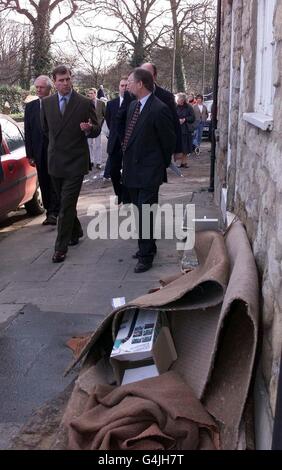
(59, 256)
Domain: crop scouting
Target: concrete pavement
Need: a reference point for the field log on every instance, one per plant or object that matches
(82, 287)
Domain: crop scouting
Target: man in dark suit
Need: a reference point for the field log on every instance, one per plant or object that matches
(68, 119)
(36, 145)
(114, 163)
(148, 144)
(168, 98)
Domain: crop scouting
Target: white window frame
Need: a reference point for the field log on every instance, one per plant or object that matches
(265, 55)
(262, 116)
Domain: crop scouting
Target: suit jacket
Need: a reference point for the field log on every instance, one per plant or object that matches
(150, 146)
(201, 116)
(168, 98)
(68, 151)
(36, 143)
(111, 115)
(100, 108)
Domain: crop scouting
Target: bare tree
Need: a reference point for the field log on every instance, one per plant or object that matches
(14, 53)
(40, 13)
(198, 61)
(187, 16)
(90, 58)
(138, 25)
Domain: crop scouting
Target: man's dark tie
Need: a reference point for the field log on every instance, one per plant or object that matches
(131, 126)
(63, 104)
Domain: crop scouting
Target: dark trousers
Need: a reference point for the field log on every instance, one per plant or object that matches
(115, 171)
(114, 167)
(107, 171)
(49, 195)
(146, 246)
(69, 227)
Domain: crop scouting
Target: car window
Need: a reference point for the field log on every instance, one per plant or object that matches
(208, 105)
(12, 135)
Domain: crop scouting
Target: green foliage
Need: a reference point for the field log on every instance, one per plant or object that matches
(19, 117)
(13, 95)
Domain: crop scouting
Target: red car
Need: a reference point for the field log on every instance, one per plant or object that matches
(19, 185)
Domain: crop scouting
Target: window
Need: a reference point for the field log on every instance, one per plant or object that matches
(265, 52)
(12, 135)
(262, 116)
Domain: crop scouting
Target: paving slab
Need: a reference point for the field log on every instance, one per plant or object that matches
(34, 356)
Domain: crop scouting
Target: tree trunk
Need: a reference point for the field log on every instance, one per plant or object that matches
(179, 75)
(41, 62)
(139, 54)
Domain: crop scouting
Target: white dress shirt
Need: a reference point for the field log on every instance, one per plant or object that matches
(143, 101)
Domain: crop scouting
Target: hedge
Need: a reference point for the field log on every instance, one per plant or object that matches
(14, 96)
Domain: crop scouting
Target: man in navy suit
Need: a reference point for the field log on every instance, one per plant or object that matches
(114, 163)
(148, 144)
(36, 149)
(168, 98)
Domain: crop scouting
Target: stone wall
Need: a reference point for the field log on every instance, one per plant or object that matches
(253, 175)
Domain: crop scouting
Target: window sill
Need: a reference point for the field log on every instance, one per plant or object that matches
(262, 121)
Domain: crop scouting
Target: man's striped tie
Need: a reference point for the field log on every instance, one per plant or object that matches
(131, 126)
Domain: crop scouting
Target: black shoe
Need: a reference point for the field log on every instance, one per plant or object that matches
(59, 256)
(80, 233)
(50, 220)
(73, 242)
(141, 267)
(98, 166)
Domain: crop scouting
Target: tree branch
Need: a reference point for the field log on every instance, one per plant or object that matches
(14, 5)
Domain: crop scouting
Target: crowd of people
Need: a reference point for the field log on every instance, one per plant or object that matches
(146, 128)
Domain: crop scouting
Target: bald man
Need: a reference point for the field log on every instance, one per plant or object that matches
(168, 98)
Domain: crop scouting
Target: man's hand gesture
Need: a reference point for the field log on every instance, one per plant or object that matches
(86, 126)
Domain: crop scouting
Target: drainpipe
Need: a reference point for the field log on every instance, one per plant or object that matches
(277, 430)
(215, 96)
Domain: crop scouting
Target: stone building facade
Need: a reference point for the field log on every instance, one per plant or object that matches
(248, 173)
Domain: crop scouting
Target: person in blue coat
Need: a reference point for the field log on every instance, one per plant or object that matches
(36, 145)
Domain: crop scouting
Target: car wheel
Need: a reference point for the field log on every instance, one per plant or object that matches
(35, 206)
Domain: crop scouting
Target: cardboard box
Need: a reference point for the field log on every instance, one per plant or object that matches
(139, 373)
(143, 339)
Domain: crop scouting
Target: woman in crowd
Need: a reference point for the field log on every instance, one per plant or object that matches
(186, 117)
(191, 99)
